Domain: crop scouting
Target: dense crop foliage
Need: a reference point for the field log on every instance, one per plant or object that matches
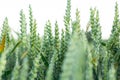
(74, 54)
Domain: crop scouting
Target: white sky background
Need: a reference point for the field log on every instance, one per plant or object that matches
(55, 10)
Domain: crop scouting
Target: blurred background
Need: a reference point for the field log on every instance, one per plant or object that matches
(53, 10)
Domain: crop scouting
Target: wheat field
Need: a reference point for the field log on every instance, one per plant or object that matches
(68, 54)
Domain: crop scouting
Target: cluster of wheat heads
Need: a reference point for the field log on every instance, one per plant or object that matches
(74, 54)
